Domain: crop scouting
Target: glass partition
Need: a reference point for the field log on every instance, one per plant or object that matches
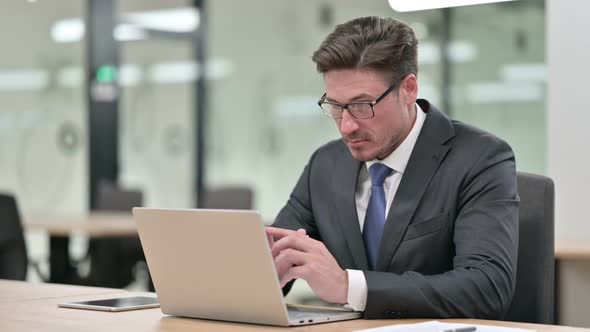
(500, 84)
(43, 118)
(43, 144)
(264, 122)
(156, 113)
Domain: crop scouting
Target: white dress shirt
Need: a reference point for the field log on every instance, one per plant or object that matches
(397, 161)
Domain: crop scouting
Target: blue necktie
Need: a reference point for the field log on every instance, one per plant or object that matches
(375, 217)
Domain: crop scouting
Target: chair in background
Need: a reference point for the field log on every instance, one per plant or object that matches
(231, 197)
(110, 197)
(533, 300)
(13, 251)
(113, 259)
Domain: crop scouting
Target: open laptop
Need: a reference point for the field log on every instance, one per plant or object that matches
(217, 264)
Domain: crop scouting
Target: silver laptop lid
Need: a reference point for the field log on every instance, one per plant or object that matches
(213, 264)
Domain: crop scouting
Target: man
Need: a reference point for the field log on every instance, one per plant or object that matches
(410, 214)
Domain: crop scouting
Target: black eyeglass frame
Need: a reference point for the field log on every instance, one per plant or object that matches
(345, 106)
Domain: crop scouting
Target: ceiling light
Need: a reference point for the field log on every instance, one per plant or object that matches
(23, 80)
(499, 92)
(130, 75)
(174, 72)
(416, 5)
(173, 20)
(459, 51)
(532, 72)
(128, 32)
(67, 31)
(133, 26)
(188, 71)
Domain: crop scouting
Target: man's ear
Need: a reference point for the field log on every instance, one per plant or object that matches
(408, 90)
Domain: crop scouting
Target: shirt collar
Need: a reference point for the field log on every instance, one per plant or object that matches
(398, 159)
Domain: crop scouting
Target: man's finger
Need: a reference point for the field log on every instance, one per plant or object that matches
(287, 258)
(293, 273)
(279, 233)
(271, 240)
(297, 242)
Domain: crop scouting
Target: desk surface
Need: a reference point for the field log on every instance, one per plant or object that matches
(572, 250)
(37, 312)
(96, 224)
(15, 291)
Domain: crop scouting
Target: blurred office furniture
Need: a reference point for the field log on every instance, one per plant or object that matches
(230, 197)
(112, 259)
(533, 299)
(111, 197)
(94, 225)
(575, 250)
(62, 269)
(113, 247)
(13, 251)
(571, 262)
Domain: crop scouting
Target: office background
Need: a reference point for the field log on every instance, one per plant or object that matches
(263, 121)
(515, 68)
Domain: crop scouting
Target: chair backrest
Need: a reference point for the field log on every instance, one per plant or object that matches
(228, 198)
(112, 198)
(533, 299)
(113, 258)
(13, 251)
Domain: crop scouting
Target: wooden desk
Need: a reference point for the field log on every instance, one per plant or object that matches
(42, 314)
(96, 224)
(572, 251)
(18, 291)
(100, 224)
(60, 227)
(570, 256)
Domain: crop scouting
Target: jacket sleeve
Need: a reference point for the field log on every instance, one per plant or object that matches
(481, 283)
(297, 213)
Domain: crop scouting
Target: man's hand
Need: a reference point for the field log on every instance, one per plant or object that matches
(271, 239)
(296, 255)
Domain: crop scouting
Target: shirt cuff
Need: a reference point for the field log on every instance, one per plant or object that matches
(357, 290)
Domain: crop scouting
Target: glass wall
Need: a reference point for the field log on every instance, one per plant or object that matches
(43, 143)
(158, 74)
(43, 118)
(264, 122)
(499, 81)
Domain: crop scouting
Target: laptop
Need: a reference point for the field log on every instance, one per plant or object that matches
(217, 264)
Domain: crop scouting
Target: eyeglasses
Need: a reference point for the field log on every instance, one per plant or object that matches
(362, 110)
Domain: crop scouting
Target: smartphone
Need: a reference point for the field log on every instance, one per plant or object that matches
(118, 304)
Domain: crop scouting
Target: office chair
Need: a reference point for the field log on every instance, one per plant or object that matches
(13, 251)
(231, 197)
(110, 197)
(112, 259)
(533, 300)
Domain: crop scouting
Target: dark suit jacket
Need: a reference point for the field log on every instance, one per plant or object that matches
(450, 240)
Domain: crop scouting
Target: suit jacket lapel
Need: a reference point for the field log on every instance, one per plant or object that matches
(344, 180)
(425, 159)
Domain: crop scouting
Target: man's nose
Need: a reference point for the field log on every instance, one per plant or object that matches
(348, 123)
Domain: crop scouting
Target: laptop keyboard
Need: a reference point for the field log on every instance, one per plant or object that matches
(312, 314)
